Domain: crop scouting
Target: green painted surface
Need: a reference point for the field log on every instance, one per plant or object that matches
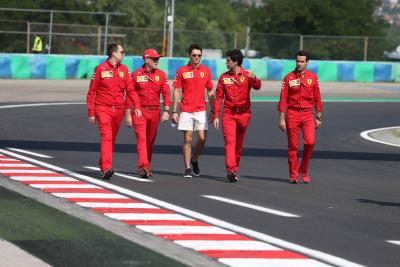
(20, 67)
(55, 68)
(364, 72)
(327, 71)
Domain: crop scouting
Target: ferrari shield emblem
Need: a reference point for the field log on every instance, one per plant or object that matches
(157, 78)
(242, 79)
(309, 81)
(121, 74)
(202, 74)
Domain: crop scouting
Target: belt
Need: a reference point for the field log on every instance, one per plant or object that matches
(239, 109)
(300, 109)
(151, 107)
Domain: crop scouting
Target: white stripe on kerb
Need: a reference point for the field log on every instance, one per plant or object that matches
(243, 262)
(183, 229)
(16, 165)
(116, 205)
(88, 195)
(225, 245)
(26, 171)
(147, 216)
(30, 153)
(65, 186)
(44, 178)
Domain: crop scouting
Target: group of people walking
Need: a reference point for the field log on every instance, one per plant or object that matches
(113, 94)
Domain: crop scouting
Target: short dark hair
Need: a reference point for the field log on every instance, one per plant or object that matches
(236, 56)
(111, 49)
(303, 53)
(194, 46)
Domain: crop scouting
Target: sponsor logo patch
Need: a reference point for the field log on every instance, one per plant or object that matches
(188, 75)
(294, 82)
(141, 79)
(228, 80)
(107, 74)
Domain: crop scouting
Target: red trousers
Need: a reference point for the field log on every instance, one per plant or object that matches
(146, 131)
(109, 120)
(296, 120)
(234, 125)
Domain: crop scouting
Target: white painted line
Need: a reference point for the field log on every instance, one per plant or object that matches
(89, 195)
(325, 257)
(42, 104)
(16, 165)
(9, 160)
(64, 186)
(122, 175)
(147, 216)
(251, 206)
(116, 205)
(40, 178)
(26, 171)
(226, 245)
(366, 135)
(29, 153)
(243, 262)
(180, 229)
(396, 242)
(11, 255)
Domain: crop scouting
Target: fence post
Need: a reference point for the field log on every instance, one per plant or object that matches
(28, 37)
(99, 40)
(235, 40)
(365, 48)
(247, 46)
(301, 46)
(105, 34)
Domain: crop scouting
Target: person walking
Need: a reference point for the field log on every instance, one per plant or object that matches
(300, 93)
(234, 90)
(149, 82)
(106, 103)
(37, 45)
(191, 81)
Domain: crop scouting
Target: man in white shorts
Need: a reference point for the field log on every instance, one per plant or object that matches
(191, 81)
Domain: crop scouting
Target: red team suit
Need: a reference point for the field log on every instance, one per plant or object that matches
(193, 81)
(106, 101)
(235, 88)
(149, 86)
(299, 94)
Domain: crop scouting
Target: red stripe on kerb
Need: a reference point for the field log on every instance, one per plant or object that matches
(165, 222)
(35, 174)
(76, 190)
(20, 168)
(52, 182)
(103, 200)
(204, 237)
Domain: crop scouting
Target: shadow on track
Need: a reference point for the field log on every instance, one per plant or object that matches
(215, 151)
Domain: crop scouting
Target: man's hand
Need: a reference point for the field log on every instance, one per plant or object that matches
(318, 123)
(250, 74)
(128, 119)
(92, 120)
(138, 113)
(175, 117)
(164, 116)
(282, 124)
(216, 123)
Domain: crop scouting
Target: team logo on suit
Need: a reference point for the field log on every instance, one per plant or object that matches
(141, 79)
(309, 81)
(294, 82)
(242, 79)
(228, 80)
(121, 74)
(107, 74)
(187, 75)
(157, 78)
(202, 74)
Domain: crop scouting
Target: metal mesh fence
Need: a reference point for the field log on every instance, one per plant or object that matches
(18, 36)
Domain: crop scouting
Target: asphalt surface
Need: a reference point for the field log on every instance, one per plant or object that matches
(350, 209)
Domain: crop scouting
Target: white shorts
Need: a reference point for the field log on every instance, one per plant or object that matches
(193, 121)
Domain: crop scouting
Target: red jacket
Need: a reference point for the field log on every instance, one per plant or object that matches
(300, 91)
(193, 83)
(149, 86)
(236, 90)
(108, 87)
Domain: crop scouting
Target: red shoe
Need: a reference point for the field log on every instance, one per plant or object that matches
(293, 180)
(305, 178)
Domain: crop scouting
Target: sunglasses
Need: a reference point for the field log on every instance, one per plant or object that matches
(155, 58)
(196, 55)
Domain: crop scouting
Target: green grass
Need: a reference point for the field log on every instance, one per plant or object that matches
(62, 240)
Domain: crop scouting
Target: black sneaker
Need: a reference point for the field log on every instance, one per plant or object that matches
(188, 173)
(195, 165)
(108, 174)
(145, 173)
(232, 177)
